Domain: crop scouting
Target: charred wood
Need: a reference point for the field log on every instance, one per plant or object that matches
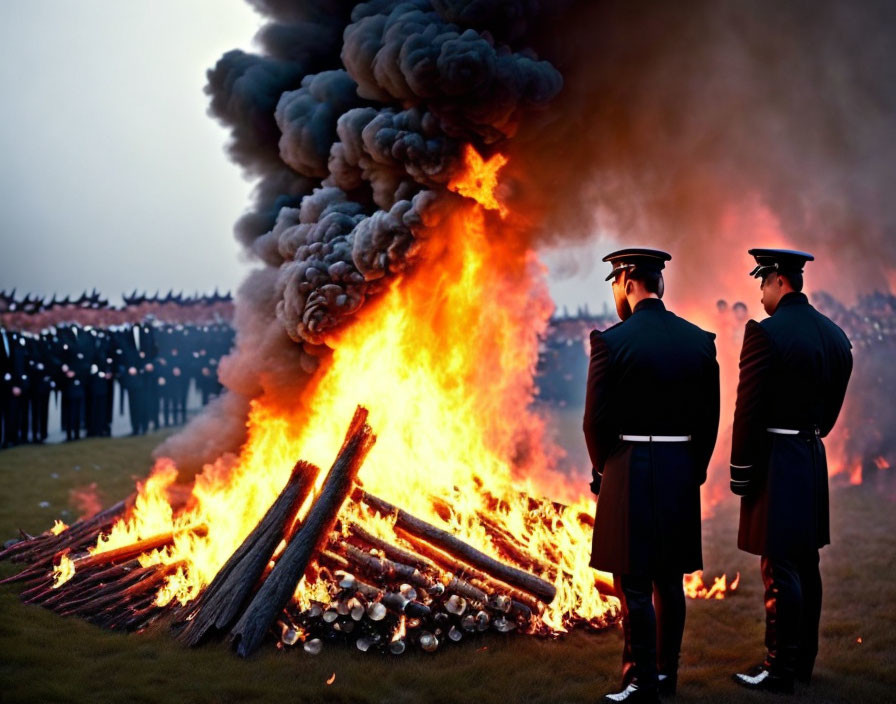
(444, 540)
(222, 601)
(280, 584)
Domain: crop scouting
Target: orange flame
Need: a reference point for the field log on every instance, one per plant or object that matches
(695, 588)
(479, 180)
(881, 463)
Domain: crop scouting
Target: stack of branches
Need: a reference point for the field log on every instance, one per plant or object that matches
(421, 587)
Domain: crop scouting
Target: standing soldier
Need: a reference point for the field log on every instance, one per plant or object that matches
(651, 418)
(42, 385)
(794, 368)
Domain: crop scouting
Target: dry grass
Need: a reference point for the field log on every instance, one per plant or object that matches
(46, 658)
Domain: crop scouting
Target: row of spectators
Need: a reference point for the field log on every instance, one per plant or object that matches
(154, 351)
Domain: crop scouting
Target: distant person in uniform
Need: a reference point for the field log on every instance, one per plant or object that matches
(794, 369)
(651, 419)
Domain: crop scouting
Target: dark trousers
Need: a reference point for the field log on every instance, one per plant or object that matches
(137, 406)
(40, 413)
(13, 410)
(73, 413)
(653, 614)
(792, 612)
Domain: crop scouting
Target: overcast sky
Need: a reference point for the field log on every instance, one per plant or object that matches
(112, 174)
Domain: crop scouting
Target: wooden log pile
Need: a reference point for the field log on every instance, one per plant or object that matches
(383, 596)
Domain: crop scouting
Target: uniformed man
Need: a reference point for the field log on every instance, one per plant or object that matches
(794, 369)
(651, 418)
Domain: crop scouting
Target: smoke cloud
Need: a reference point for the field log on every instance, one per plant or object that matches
(712, 126)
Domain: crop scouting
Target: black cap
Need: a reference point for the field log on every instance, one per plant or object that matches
(783, 261)
(637, 259)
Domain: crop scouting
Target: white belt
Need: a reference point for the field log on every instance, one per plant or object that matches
(655, 438)
(783, 431)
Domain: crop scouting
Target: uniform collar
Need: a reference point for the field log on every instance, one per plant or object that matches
(792, 299)
(649, 304)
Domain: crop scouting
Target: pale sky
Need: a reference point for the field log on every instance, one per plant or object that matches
(112, 174)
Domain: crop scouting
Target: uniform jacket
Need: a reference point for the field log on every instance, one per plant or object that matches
(794, 369)
(654, 374)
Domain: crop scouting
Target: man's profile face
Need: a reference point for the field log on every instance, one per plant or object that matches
(623, 309)
(772, 289)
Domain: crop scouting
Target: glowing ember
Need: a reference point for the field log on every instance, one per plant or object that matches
(881, 463)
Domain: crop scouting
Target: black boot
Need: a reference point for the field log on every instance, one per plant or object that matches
(766, 678)
(804, 671)
(667, 684)
(633, 694)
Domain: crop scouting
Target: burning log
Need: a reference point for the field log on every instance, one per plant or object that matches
(128, 552)
(523, 604)
(508, 545)
(277, 589)
(223, 600)
(135, 582)
(444, 540)
(384, 567)
(47, 595)
(389, 550)
(43, 548)
(481, 589)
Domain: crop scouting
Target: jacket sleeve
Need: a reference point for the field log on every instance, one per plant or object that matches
(839, 379)
(601, 434)
(749, 425)
(708, 430)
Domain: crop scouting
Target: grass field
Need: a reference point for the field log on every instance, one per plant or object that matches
(47, 658)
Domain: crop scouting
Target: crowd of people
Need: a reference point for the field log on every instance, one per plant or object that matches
(152, 349)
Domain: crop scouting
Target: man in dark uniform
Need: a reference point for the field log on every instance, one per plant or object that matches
(651, 418)
(794, 369)
(136, 353)
(76, 358)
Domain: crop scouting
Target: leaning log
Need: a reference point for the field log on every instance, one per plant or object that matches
(281, 583)
(444, 540)
(222, 601)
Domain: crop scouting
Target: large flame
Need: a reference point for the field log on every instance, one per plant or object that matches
(444, 361)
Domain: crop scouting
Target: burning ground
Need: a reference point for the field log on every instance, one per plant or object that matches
(47, 658)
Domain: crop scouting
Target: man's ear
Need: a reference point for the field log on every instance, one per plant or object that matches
(629, 287)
